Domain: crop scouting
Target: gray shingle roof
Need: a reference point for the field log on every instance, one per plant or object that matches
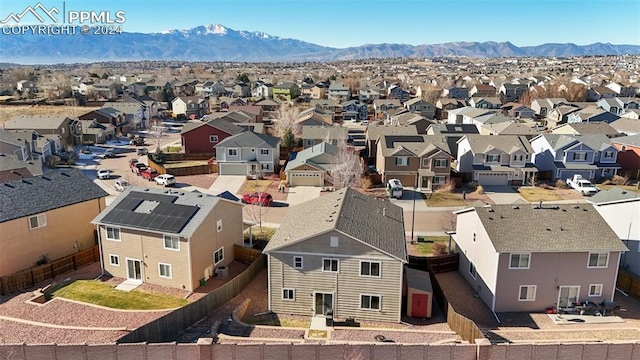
(633, 140)
(552, 228)
(454, 129)
(38, 194)
(594, 128)
(614, 194)
(218, 123)
(375, 131)
(249, 139)
(416, 144)
(319, 156)
(35, 122)
(373, 221)
(10, 162)
(505, 143)
(321, 132)
(595, 142)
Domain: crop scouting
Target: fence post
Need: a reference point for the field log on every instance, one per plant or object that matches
(73, 260)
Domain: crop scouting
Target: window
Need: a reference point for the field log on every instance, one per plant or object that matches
(519, 261)
(264, 151)
(171, 242)
(219, 226)
(288, 294)
(37, 221)
(113, 234)
(114, 260)
(333, 241)
(608, 154)
(402, 161)
(474, 237)
(598, 260)
(371, 302)
(492, 158)
(330, 265)
(213, 138)
(438, 180)
(369, 268)
(595, 290)
(297, 262)
(517, 157)
(527, 293)
(580, 156)
(440, 163)
(265, 166)
(472, 270)
(232, 152)
(218, 256)
(164, 270)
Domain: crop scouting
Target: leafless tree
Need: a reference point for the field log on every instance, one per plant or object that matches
(255, 212)
(157, 131)
(346, 169)
(286, 117)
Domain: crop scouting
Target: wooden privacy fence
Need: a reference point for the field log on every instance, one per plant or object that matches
(438, 264)
(467, 329)
(173, 324)
(29, 277)
(629, 283)
(210, 168)
(245, 254)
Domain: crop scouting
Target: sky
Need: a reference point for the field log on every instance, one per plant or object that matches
(345, 23)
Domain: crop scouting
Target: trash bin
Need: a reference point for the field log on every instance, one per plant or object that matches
(203, 282)
(329, 318)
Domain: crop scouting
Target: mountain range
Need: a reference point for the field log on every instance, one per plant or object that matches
(218, 43)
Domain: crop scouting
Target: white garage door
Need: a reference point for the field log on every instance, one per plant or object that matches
(305, 179)
(232, 169)
(493, 179)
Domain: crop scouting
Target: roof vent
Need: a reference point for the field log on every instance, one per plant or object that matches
(45, 178)
(146, 189)
(9, 185)
(516, 207)
(65, 174)
(200, 195)
(26, 182)
(490, 210)
(548, 229)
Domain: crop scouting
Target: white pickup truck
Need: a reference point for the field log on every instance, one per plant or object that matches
(585, 187)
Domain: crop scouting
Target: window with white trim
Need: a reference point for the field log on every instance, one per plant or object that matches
(595, 290)
(438, 180)
(370, 302)
(519, 261)
(581, 156)
(218, 256)
(330, 265)
(402, 161)
(164, 270)
(264, 151)
(527, 293)
(114, 260)
(213, 138)
(472, 270)
(171, 242)
(440, 163)
(370, 268)
(219, 225)
(288, 294)
(113, 233)
(598, 260)
(298, 262)
(265, 166)
(492, 158)
(232, 152)
(608, 154)
(37, 221)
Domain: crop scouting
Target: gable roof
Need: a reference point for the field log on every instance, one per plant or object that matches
(615, 194)
(249, 139)
(505, 143)
(375, 131)
(219, 123)
(322, 132)
(10, 162)
(39, 194)
(416, 145)
(595, 142)
(510, 128)
(460, 129)
(125, 107)
(375, 222)
(557, 228)
(313, 156)
(631, 140)
(35, 122)
(593, 128)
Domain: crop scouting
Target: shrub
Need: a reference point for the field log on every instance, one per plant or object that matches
(439, 248)
(479, 190)
(619, 180)
(366, 183)
(546, 186)
(447, 187)
(608, 182)
(561, 184)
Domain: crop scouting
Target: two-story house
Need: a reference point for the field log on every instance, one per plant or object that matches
(482, 90)
(22, 144)
(485, 102)
(512, 92)
(531, 257)
(313, 135)
(285, 91)
(47, 217)
(468, 115)
(592, 156)
(190, 106)
(599, 92)
(341, 254)
(623, 90)
(262, 90)
(111, 116)
(136, 114)
(202, 137)
(496, 160)
(354, 110)
(591, 114)
(453, 133)
(542, 107)
(374, 131)
(13, 169)
(457, 92)
(397, 92)
(169, 238)
(338, 92)
(444, 105)
(420, 161)
(68, 129)
(368, 95)
(248, 153)
(517, 110)
(382, 106)
(421, 107)
(587, 129)
(628, 153)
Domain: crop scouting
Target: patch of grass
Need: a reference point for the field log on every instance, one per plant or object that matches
(533, 194)
(426, 248)
(97, 293)
(250, 186)
(625, 187)
(279, 322)
(440, 199)
(318, 334)
(174, 149)
(265, 234)
(180, 164)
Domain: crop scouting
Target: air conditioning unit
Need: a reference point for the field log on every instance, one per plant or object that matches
(222, 272)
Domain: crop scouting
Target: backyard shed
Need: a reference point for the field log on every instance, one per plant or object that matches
(419, 293)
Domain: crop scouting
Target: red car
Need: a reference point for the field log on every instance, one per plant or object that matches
(258, 198)
(149, 173)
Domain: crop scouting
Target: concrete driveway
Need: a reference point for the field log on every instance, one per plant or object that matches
(406, 202)
(299, 194)
(230, 183)
(502, 194)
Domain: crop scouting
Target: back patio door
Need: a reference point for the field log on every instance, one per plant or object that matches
(568, 296)
(323, 303)
(134, 269)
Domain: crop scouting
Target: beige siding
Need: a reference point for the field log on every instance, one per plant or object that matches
(68, 230)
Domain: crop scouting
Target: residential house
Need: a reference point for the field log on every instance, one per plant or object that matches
(13, 169)
(136, 114)
(373, 133)
(26, 87)
(587, 129)
(508, 128)
(241, 89)
(338, 92)
(482, 91)
(209, 88)
(312, 116)
(628, 154)
(599, 92)
(517, 264)
(383, 106)
(591, 114)
(496, 160)
(82, 88)
(319, 91)
(94, 132)
(485, 103)
(456, 92)
(68, 129)
(56, 224)
(453, 133)
(560, 115)
(341, 254)
(254, 111)
(193, 107)
(286, 91)
(612, 105)
(563, 156)
(421, 107)
(326, 106)
(518, 111)
(310, 166)
(313, 135)
(248, 153)
(397, 92)
(512, 92)
(186, 89)
(468, 115)
(18, 143)
(623, 90)
(368, 95)
(169, 238)
(542, 107)
(444, 105)
(626, 125)
(262, 90)
(354, 110)
(202, 137)
(151, 105)
(420, 161)
(226, 102)
(420, 122)
(268, 105)
(110, 116)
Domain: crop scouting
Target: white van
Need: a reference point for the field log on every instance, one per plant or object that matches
(394, 188)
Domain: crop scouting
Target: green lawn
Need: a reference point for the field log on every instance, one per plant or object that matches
(279, 322)
(625, 187)
(533, 194)
(444, 199)
(266, 233)
(426, 248)
(181, 164)
(97, 293)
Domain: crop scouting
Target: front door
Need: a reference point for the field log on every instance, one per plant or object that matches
(568, 296)
(324, 303)
(424, 183)
(133, 269)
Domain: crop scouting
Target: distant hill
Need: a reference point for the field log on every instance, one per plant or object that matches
(218, 43)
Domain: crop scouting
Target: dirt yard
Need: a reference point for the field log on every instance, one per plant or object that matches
(7, 112)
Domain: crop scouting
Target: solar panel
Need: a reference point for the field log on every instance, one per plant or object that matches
(165, 217)
(162, 198)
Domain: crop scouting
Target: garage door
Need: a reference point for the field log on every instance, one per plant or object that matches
(232, 169)
(406, 180)
(493, 179)
(305, 179)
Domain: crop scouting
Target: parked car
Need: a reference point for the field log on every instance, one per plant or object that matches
(103, 174)
(394, 188)
(584, 186)
(143, 151)
(86, 150)
(122, 185)
(109, 153)
(138, 168)
(137, 141)
(149, 173)
(165, 180)
(258, 198)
